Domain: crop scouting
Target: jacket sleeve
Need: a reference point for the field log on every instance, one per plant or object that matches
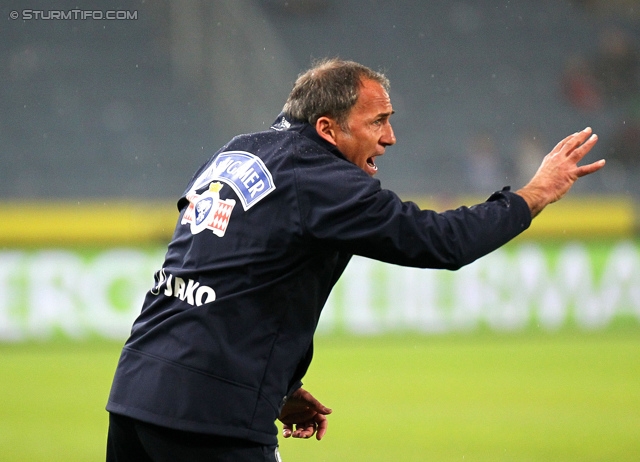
(346, 209)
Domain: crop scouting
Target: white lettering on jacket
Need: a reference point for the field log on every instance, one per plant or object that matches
(189, 291)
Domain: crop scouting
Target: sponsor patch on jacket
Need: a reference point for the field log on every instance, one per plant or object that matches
(208, 211)
(244, 172)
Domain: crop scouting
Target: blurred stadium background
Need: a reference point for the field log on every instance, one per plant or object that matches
(102, 123)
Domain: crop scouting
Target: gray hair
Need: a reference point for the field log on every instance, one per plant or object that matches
(330, 88)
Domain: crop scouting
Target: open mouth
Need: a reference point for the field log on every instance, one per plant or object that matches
(372, 164)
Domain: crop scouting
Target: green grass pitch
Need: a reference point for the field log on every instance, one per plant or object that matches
(481, 397)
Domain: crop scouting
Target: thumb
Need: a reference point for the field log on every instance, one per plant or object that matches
(319, 407)
(313, 403)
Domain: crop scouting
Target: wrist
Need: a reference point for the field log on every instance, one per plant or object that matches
(535, 197)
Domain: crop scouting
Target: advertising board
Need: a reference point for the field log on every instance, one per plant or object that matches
(80, 293)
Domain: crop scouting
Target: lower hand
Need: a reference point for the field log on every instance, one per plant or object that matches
(303, 416)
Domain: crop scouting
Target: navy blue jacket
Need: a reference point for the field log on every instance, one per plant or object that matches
(266, 228)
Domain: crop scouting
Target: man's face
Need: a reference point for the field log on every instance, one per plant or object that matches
(369, 131)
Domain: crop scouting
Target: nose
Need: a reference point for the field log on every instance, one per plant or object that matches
(388, 138)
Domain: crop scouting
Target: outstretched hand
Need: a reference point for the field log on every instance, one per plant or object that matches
(303, 415)
(560, 170)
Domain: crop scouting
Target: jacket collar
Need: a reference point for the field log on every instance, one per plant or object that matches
(286, 123)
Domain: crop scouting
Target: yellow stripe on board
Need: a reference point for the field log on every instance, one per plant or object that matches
(99, 222)
(585, 218)
(86, 222)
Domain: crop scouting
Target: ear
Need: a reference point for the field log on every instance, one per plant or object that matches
(327, 129)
